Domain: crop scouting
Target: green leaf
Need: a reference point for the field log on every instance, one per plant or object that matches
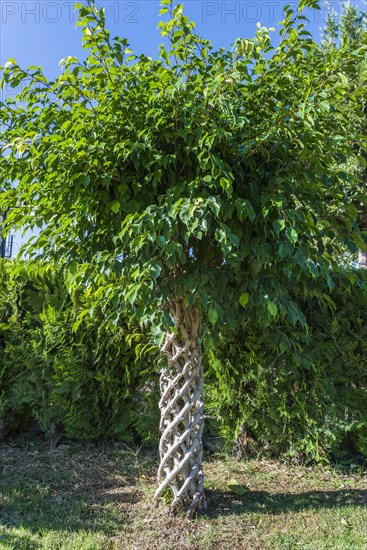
(235, 487)
(79, 320)
(161, 240)
(9, 63)
(213, 315)
(115, 206)
(329, 280)
(244, 299)
(226, 185)
(250, 210)
(292, 235)
(273, 309)
(155, 271)
(283, 250)
(278, 225)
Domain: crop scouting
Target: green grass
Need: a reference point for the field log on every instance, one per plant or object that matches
(92, 498)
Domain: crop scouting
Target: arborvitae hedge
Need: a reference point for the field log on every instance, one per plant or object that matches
(295, 393)
(88, 383)
(274, 389)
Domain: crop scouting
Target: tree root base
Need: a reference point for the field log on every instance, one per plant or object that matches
(197, 506)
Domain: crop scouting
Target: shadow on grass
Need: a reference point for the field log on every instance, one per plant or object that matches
(65, 498)
(222, 503)
(15, 541)
(92, 508)
(109, 509)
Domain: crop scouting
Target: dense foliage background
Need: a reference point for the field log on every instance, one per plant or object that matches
(90, 380)
(86, 381)
(311, 399)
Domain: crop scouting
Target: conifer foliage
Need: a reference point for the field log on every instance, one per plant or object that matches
(347, 31)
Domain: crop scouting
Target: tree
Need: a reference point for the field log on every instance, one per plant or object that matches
(347, 31)
(196, 189)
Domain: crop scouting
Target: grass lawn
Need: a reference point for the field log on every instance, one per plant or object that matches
(84, 497)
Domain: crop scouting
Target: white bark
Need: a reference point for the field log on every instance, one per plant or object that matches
(182, 413)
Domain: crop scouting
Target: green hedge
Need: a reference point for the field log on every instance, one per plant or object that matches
(89, 382)
(286, 392)
(308, 400)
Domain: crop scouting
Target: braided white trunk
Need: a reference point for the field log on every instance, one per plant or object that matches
(182, 413)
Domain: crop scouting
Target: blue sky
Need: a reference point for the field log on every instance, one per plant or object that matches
(41, 32)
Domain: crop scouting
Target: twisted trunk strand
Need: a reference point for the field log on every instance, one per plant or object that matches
(182, 412)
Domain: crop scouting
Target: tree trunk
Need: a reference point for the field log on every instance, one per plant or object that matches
(182, 412)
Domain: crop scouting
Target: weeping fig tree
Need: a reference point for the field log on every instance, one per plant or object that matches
(196, 189)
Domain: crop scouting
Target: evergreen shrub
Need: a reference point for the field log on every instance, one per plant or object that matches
(296, 393)
(82, 376)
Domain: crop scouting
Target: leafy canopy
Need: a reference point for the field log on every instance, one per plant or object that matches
(207, 174)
